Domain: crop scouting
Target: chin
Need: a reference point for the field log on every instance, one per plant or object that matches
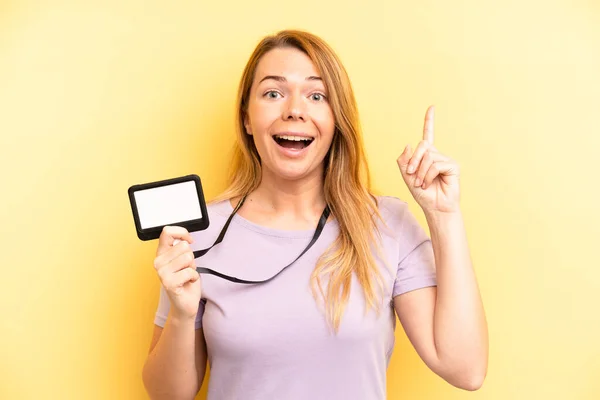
(292, 173)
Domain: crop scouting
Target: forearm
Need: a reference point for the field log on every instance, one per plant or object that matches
(460, 328)
(170, 370)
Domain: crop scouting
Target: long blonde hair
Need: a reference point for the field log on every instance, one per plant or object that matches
(346, 181)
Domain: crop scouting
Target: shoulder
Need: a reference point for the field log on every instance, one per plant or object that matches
(220, 208)
(392, 209)
(398, 220)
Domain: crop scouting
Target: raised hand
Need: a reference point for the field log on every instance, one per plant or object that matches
(432, 178)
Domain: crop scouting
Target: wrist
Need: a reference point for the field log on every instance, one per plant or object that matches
(437, 218)
(439, 222)
(181, 319)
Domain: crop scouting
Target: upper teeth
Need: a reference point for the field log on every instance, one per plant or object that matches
(294, 138)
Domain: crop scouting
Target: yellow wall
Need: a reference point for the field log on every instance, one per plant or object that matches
(97, 97)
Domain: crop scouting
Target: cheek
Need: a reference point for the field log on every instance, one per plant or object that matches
(262, 116)
(325, 123)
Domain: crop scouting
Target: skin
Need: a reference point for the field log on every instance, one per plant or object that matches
(290, 195)
(446, 324)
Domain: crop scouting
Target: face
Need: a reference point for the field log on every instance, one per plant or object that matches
(289, 115)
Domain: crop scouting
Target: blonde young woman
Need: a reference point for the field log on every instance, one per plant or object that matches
(324, 327)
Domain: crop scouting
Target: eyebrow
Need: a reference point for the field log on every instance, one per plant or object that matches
(282, 79)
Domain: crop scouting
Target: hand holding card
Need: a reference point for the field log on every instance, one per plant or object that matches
(169, 210)
(176, 269)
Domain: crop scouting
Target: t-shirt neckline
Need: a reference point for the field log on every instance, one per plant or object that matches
(284, 233)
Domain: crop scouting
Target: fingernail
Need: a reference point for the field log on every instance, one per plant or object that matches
(418, 182)
(411, 169)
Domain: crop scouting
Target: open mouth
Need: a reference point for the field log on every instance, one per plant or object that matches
(293, 142)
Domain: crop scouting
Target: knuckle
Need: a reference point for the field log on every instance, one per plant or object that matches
(195, 275)
(168, 284)
(163, 277)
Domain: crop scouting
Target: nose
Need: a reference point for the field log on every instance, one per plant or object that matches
(295, 108)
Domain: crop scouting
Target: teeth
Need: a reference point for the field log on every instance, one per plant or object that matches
(294, 138)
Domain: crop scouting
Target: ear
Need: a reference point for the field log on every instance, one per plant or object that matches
(247, 124)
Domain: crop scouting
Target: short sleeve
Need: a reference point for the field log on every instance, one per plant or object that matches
(160, 317)
(416, 265)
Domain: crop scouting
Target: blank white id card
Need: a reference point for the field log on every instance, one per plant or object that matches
(174, 202)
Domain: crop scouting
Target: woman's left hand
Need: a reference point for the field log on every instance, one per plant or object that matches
(431, 177)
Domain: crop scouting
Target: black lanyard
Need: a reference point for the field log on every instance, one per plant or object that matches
(200, 253)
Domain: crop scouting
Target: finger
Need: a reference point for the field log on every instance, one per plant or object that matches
(404, 159)
(169, 253)
(416, 157)
(426, 162)
(168, 236)
(181, 277)
(176, 258)
(439, 168)
(428, 126)
(167, 271)
(431, 174)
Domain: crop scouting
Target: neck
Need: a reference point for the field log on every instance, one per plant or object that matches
(302, 198)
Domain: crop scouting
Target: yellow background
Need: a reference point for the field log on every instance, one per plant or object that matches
(99, 96)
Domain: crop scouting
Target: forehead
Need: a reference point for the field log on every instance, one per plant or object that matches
(290, 63)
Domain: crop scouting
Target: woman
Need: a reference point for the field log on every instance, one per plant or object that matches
(324, 327)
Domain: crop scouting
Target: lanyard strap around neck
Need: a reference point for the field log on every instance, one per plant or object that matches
(200, 253)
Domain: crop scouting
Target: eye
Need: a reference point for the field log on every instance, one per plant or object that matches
(318, 97)
(272, 94)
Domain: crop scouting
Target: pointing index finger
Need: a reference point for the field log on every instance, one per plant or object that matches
(428, 127)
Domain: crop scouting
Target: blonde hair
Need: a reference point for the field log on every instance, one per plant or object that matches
(346, 181)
